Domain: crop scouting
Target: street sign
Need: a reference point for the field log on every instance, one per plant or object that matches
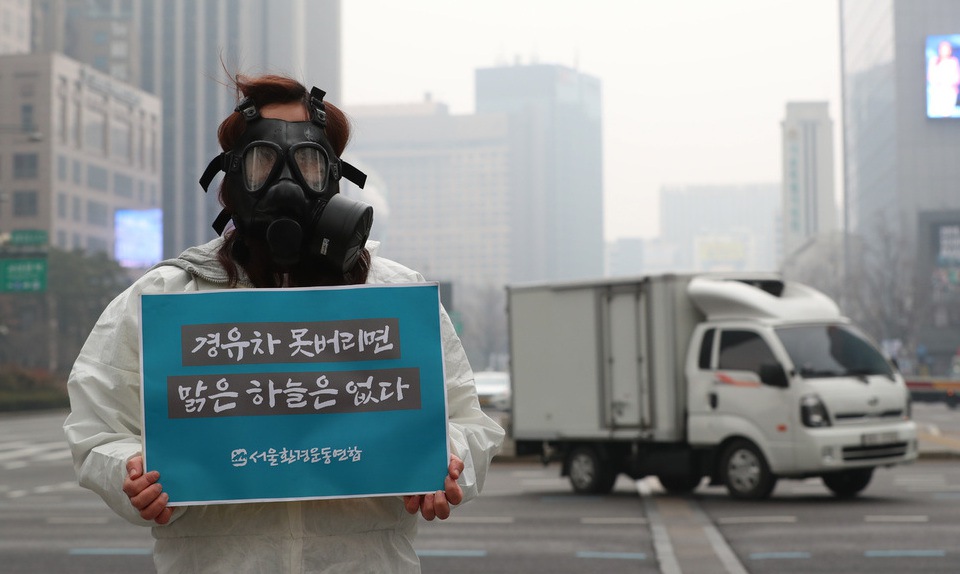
(23, 260)
(29, 237)
(23, 275)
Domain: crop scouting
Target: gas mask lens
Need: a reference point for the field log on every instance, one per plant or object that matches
(258, 164)
(262, 159)
(312, 165)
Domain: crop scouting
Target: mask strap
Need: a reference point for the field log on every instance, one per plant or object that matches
(220, 223)
(317, 109)
(213, 168)
(353, 174)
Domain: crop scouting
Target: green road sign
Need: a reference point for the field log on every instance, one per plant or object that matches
(29, 237)
(29, 275)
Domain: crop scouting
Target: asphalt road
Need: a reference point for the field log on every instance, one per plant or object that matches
(528, 520)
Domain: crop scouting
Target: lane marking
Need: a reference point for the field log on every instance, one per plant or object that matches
(720, 546)
(614, 520)
(757, 520)
(68, 520)
(895, 518)
(779, 555)
(111, 552)
(43, 489)
(481, 519)
(905, 553)
(42, 448)
(613, 555)
(541, 482)
(661, 539)
(947, 496)
(452, 553)
(667, 557)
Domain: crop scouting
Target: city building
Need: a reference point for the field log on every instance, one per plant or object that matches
(450, 188)
(711, 231)
(14, 26)
(901, 144)
(808, 204)
(185, 53)
(511, 193)
(84, 146)
(556, 166)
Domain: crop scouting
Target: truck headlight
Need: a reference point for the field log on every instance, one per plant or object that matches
(813, 412)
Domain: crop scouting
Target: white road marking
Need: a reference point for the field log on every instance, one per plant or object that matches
(614, 520)
(895, 518)
(481, 519)
(71, 520)
(757, 520)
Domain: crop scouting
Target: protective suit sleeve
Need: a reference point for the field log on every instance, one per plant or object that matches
(103, 428)
(473, 436)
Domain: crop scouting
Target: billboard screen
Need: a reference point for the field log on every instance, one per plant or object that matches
(139, 237)
(943, 76)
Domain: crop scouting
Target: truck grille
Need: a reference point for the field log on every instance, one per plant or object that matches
(857, 417)
(872, 452)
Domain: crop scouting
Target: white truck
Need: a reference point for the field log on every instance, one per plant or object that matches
(742, 378)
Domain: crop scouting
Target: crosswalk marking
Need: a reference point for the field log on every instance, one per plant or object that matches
(20, 454)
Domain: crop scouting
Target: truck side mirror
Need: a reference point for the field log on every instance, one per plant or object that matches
(773, 375)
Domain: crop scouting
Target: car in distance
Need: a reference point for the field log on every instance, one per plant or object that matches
(493, 388)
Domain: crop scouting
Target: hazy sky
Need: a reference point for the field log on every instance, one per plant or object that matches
(693, 90)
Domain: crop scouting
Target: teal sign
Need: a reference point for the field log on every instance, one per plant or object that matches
(23, 275)
(29, 237)
(287, 394)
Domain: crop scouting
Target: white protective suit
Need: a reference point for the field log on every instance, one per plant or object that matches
(341, 535)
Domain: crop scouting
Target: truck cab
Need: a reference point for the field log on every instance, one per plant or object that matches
(780, 384)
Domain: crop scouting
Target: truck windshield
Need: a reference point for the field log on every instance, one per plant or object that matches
(820, 351)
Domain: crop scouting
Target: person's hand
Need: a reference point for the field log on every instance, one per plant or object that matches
(437, 504)
(145, 493)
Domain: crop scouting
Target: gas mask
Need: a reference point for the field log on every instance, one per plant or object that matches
(283, 179)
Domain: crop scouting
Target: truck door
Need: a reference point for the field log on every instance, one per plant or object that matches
(622, 355)
(747, 394)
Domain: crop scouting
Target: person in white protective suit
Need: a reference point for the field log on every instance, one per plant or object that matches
(277, 209)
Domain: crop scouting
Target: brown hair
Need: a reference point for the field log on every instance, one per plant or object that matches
(275, 89)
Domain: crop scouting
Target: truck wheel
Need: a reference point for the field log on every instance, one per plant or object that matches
(679, 483)
(745, 471)
(588, 474)
(848, 483)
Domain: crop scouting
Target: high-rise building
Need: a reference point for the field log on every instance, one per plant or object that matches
(511, 193)
(86, 146)
(556, 166)
(450, 188)
(185, 52)
(902, 141)
(808, 205)
(15, 26)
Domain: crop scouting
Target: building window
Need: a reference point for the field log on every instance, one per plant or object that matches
(98, 178)
(25, 165)
(97, 213)
(62, 240)
(62, 205)
(122, 185)
(94, 130)
(62, 168)
(27, 119)
(77, 213)
(25, 204)
(77, 172)
(120, 135)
